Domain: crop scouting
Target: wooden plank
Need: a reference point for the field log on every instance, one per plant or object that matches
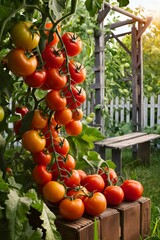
(133, 141)
(107, 141)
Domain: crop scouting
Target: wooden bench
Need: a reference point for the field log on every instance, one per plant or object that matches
(137, 139)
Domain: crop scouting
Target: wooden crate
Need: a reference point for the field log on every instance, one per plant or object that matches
(145, 216)
(81, 229)
(128, 221)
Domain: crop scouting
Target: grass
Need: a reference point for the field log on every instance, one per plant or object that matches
(149, 176)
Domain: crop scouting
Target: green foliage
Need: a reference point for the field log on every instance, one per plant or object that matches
(23, 215)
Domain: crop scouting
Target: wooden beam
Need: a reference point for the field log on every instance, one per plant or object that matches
(103, 13)
(122, 23)
(122, 44)
(141, 31)
(124, 12)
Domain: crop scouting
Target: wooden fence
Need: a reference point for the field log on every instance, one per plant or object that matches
(120, 110)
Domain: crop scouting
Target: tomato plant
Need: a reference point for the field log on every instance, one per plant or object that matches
(55, 40)
(114, 195)
(95, 204)
(78, 192)
(133, 189)
(109, 175)
(33, 141)
(25, 35)
(19, 64)
(72, 179)
(93, 182)
(53, 191)
(71, 209)
(73, 43)
(41, 175)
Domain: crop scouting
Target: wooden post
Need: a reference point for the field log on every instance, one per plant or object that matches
(99, 75)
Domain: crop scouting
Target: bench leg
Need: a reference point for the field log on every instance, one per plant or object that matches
(117, 159)
(144, 152)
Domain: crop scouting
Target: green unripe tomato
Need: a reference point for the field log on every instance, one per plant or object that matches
(1, 114)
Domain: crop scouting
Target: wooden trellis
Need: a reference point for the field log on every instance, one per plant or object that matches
(138, 26)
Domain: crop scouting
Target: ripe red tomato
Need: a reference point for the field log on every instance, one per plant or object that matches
(82, 174)
(93, 182)
(55, 80)
(114, 195)
(21, 110)
(77, 114)
(75, 96)
(39, 121)
(96, 204)
(109, 175)
(63, 116)
(71, 209)
(77, 72)
(23, 37)
(48, 27)
(50, 130)
(62, 166)
(33, 142)
(55, 101)
(36, 79)
(132, 189)
(42, 158)
(72, 180)
(59, 145)
(17, 126)
(52, 58)
(78, 192)
(41, 175)
(73, 43)
(19, 64)
(74, 128)
(53, 191)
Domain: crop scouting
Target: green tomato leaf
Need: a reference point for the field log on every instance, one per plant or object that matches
(93, 6)
(16, 212)
(57, 7)
(5, 12)
(48, 219)
(123, 3)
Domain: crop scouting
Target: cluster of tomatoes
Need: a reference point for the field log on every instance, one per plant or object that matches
(55, 72)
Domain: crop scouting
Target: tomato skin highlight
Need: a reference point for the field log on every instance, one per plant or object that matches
(96, 204)
(41, 175)
(63, 116)
(36, 79)
(114, 195)
(72, 43)
(22, 37)
(109, 176)
(93, 182)
(55, 80)
(42, 158)
(133, 189)
(21, 110)
(71, 209)
(33, 142)
(55, 101)
(74, 128)
(53, 191)
(19, 64)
